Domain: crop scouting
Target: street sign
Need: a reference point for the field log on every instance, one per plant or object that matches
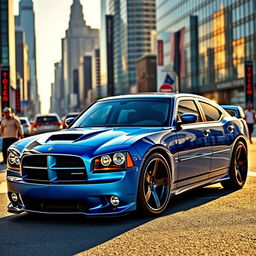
(248, 82)
(166, 88)
(167, 85)
(5, 85)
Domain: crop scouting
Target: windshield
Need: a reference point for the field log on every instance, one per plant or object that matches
(127, 112)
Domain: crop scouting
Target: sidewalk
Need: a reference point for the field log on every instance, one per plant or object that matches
(252, 155)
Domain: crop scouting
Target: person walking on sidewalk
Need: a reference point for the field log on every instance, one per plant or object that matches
(250, 118)
(11, 131)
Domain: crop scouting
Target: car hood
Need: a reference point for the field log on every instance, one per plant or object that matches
(84, 140)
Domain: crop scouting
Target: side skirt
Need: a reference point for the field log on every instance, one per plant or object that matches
(210, 181)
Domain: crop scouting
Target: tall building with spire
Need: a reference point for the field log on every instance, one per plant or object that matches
(26, 21)
(80, 40)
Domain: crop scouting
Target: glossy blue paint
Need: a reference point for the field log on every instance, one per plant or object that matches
(198, 154)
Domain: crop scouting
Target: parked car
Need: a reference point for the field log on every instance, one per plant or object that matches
(46, 123)
(128, 153)
(69, 115)
(236, 111)
(26, 126)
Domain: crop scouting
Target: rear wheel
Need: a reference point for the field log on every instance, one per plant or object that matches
(154, 185)
(238, 168)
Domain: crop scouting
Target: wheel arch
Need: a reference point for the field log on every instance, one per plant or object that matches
(242, 139)
(165, 153)
(238, 139)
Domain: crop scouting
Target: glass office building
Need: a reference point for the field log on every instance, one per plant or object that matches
(7, 55)
(134, 21)
(219, 38)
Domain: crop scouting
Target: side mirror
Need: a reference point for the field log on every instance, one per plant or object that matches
(69, 120)
(188, 118)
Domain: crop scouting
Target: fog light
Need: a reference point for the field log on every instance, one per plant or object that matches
(114, 200)
(14, 197)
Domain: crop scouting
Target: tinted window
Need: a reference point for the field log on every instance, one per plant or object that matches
(132, 112)
(188, 106)
(46, 119)
(211, 113)
(71, 115)
(232, 112)
(23, 121)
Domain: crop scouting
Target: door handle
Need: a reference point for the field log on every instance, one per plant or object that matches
(231, 129)
(206, 133)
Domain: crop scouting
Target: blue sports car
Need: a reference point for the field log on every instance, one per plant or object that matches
(128, 153)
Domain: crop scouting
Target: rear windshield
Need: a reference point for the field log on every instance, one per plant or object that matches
(23, 121)
(46, 119)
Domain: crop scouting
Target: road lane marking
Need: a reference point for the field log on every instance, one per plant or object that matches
(3, 187)
(252, 174)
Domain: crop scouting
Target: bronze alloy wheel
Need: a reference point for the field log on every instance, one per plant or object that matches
(238, 168)
(154, 186)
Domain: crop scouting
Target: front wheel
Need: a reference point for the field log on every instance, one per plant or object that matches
(238, 168)
(154, 185)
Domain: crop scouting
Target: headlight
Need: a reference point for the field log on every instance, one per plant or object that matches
(118, 158)
(13, 161)
(113, 162)
(105, 160)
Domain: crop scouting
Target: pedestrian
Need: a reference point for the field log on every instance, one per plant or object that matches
(250, 117)
(11, 131)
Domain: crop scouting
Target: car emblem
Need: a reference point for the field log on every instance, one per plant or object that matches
(50, 148)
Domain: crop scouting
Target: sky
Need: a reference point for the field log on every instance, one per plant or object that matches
(51, 19)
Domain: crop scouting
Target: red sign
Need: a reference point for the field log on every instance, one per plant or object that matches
(17, 100)
(5, 82)
(166, 88)
(160, 52)
(249, 82)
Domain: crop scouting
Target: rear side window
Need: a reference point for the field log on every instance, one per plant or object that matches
(188, 106)
(46, 119)
(211, 113)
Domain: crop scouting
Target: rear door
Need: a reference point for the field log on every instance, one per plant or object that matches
(194, 146)
(222, 136)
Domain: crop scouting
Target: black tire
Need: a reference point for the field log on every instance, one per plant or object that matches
(154, 185)
(238, 168)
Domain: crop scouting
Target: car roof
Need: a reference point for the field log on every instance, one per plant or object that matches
(51, 114)
(157, 95)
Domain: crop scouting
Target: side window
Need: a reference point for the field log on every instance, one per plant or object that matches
(211, 113)
(188, 106)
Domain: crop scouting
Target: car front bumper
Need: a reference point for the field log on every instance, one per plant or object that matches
(91, 198)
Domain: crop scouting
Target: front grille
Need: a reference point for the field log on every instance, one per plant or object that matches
(54, 169)
(55, 205)
(35, 168)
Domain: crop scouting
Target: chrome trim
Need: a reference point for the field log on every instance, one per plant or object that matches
(68, 168)
(34, 167)
(221, 151)
(193, 157)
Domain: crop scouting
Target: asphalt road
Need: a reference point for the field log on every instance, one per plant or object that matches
(206, 221)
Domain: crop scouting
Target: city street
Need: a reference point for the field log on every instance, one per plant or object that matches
(207, 221)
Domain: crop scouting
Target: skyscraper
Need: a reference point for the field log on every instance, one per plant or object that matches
(22, 69)
(80, 40)
(26, 20)
(134, 21)
(219, 40)
(7, 54)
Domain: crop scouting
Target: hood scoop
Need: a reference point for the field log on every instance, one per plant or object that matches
(62, 137)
